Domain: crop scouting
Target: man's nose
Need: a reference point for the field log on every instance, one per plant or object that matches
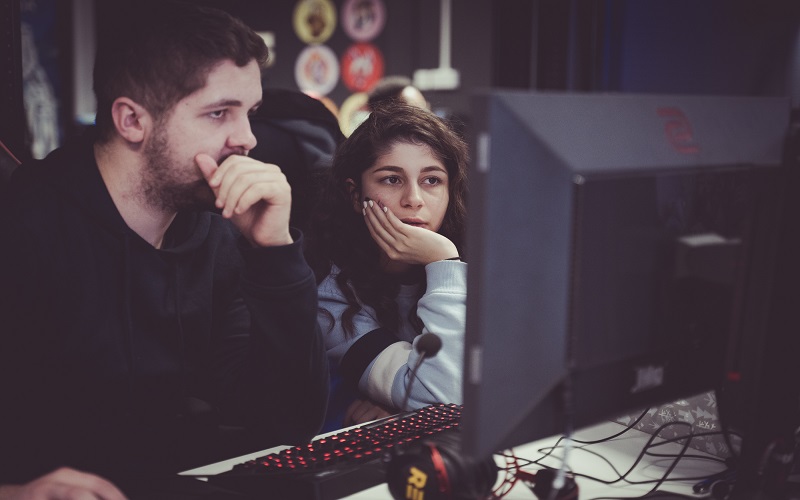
(242, 137)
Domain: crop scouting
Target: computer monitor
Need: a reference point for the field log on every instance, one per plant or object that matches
(620, 253)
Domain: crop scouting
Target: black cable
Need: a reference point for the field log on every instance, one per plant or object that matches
(698, 457)
(674, 463)
(641, 454)
(646, 451)
(598, 441)
(621, 477)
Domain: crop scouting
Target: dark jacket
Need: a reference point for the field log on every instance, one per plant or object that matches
(300, 135)
(123, 359)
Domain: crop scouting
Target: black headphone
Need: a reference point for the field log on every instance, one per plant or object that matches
(437, 470)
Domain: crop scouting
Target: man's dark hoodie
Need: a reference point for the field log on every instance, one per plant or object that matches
(126, 360)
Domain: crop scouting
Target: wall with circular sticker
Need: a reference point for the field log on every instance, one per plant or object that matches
(368, 39)
(317, 69)
(362, 66)
(363, 20)
(314, 20)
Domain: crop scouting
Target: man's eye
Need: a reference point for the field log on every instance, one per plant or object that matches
(218, 114)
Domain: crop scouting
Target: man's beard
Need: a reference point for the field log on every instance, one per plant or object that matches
(169, 187)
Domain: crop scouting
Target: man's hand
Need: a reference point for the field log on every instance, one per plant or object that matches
(363, 410)
(63, 484)
(254, 195)
(405, 243)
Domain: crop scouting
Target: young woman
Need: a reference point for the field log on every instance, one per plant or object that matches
(385, 247)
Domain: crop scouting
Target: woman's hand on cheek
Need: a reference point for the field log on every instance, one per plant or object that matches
(405, 243)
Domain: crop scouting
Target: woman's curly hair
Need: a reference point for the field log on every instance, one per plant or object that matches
(338, 234)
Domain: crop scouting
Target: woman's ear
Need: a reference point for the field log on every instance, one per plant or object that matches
(131, 120)
(355, 195)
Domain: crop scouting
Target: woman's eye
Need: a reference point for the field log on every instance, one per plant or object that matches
(217, 114)
(393, 179)
(433, 181)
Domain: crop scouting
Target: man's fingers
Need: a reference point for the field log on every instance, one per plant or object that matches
(235, 177)
(73, 484)
(104, 488)
(207, 166)
(254, 193)
(232, 188)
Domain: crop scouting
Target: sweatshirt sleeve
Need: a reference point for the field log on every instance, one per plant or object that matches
(442, 310)
(284, 390)
(379, 362)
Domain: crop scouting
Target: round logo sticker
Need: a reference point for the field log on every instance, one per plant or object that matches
(362, 66)
(363, 20)
(316, 69)
(314, 20)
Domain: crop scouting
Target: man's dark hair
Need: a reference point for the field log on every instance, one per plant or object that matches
(158, 52)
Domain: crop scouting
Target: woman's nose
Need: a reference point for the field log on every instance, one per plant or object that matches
(412, 196)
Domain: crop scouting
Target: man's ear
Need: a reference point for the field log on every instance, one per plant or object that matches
(131, 120)
(355, 195)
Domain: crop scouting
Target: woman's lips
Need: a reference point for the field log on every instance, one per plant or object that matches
(414, 222)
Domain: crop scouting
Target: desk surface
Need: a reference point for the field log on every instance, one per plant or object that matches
(606, 461)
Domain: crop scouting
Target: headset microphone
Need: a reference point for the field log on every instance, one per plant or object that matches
(428, 346)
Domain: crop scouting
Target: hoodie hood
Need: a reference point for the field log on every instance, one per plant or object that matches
(82, 185)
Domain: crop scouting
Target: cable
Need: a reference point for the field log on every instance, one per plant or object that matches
(9, 153)
(598, 441)
(647, 450)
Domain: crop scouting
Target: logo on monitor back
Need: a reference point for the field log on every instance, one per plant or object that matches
(647, 377)
(678, 130)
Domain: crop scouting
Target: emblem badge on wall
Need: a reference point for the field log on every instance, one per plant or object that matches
(363, 20)
(314, 20)
(316, 69)
(362, 66)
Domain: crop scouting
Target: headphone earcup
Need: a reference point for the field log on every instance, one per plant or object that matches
(436, 469)
(410, 474)
(469, 479)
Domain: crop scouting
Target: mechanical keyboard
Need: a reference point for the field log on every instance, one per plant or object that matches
(340, 464)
